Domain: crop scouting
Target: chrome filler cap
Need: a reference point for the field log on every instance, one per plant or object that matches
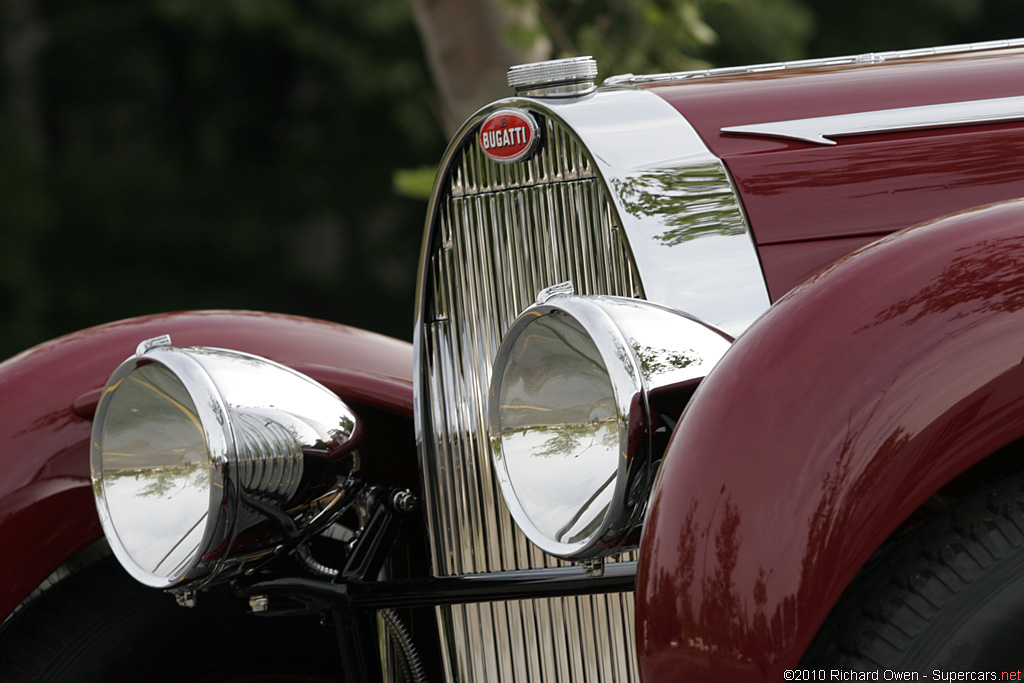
(571, 77)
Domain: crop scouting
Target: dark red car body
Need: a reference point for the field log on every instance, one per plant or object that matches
(889, 364)
(868, 387)
(50, 392)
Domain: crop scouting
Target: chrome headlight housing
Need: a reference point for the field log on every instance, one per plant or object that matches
(569, 418)
(201, 460)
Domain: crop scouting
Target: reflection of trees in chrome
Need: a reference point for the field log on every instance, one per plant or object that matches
(624, 360)
(217, 410)
(161, 481)
(657, 361)
(166, 480)
(572, 438)
(694, 202)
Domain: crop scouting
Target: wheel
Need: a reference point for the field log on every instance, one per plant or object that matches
(101, 625)
(948, 594)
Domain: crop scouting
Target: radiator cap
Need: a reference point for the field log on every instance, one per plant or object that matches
(571, 77)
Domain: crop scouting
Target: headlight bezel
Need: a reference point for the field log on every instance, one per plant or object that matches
(259, 423)
(677, 351)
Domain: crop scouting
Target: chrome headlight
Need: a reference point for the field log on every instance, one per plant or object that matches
(195, 450)
(569, 418)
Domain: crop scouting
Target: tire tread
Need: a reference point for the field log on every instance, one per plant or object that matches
(918, 575)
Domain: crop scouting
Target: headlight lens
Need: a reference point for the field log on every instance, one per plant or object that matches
(559, 424)
(155, 474)
(192, 446)
(568, 413)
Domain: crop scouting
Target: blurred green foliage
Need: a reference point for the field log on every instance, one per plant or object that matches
(415, 183)
(212, 154)
(250, 153)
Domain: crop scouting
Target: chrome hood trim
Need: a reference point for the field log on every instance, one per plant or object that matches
(846, 60)
(673, 197)
(682, 217)
(821, 129)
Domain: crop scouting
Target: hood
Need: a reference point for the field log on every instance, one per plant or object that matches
(810, 202)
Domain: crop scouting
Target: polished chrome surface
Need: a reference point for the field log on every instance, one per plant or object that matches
(557, 424)
(820, 129)
(501, 234)
(621, 199)
(867, 58)
(570, 77)
(674, 200)
(188, 441)
(570, 430)
(561, 289)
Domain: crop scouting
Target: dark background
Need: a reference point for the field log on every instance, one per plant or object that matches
(180, 154)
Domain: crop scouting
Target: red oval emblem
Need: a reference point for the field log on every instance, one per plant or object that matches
(508, 135)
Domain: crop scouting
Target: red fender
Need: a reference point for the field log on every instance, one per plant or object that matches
(48, 395)
(831, 420)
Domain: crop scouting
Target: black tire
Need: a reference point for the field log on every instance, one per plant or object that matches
(101, 625)
(948, 594)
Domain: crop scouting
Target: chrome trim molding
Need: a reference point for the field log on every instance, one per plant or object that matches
(867, 58)
(621, 187)
(682, 218)
(820, 129)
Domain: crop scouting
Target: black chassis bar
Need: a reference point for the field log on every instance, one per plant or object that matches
(524, 584)
(355, 595)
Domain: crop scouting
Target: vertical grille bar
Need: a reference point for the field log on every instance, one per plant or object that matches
(500, 235)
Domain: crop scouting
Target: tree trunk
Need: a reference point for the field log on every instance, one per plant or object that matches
(468, 52)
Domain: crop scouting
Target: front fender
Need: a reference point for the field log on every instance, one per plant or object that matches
(829, 422)
(48, 395)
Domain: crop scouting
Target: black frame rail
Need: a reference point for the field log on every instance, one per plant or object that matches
(355, 595)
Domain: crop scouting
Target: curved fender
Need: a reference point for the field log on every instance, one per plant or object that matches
(49, 393)
(832, 419)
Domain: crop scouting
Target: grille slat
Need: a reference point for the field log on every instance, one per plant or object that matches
(501, 234)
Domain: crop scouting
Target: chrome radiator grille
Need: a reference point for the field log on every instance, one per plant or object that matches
(500, 234)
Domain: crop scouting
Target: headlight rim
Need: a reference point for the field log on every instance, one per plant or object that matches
(630, 393)
(651, 348)
(260, 423)
(211, 410)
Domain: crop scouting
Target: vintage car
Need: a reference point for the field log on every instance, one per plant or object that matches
(717, 376)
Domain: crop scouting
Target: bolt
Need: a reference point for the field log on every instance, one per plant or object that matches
(162, 340)
(185, 598)
(404, 501)
(594, 567)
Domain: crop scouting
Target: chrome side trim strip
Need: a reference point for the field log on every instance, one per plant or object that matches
(819, 129)
(867, 58)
